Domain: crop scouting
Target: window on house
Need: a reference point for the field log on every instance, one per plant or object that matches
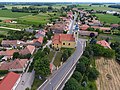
(76, 33)
(69, 44)
(53, 44)
(63, 43)
(57, 44)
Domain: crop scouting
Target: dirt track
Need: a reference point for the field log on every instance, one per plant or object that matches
(109, 78)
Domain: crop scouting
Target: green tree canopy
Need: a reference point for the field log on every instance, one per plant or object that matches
(72, 84)
(77, 75)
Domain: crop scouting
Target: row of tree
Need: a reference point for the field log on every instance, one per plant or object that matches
(84, 75)
(116, 46)
(42, 63)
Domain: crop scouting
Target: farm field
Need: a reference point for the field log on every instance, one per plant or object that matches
(96, 7)
(112, 38)
(108, 18)
(19, 6)
(109, 74)
(10, 14)
(41, 18)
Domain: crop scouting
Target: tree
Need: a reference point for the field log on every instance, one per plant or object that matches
(81, 67)
(41, 66)
(47, 50)
(92, 35)
(93, 41)
(72, 84)
(15, 55)
(108, 53)
(84, 60)
(93, 74)
(77, 75)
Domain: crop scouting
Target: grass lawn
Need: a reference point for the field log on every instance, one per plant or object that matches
(10, 14)
(96, 7)
(10, 25)
(108, 18)
(41, 18)
(113, 38)
(37, 82)
(50, 55)
(57, 59)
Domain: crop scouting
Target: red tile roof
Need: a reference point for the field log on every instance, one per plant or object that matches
(104, 43)
(84, 27)
(9, 42)
(16, 64)
(7, 21)
(28, 50)
(8, 52)
(101, 28)
(9, 81)
(58, 38)
(40, 39)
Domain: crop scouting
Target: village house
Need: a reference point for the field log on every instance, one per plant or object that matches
(104, 44)
(12, 43)
(27, 50)
(87, 33)
(63, 40)
(114, 26)
(58, 28)
(104, 29)
(40, 33)
(15, 65)
(9, 21)
(8, 54)
(36, 42)
(84, 27)
(10, 81)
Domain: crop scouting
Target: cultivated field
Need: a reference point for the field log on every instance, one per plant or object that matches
(109, 78)
(97, 7)
(10, 14)
(108, 18)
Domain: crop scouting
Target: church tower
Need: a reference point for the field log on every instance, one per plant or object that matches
(76, 32)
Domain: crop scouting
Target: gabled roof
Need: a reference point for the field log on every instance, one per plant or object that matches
(58, 38)
(9, 42)
(27, 50)
(9, 81)
(16, 64)
(104, 43)
(8, 52)
(84, 27)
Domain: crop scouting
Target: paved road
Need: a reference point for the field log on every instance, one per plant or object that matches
(47, 44)
(60, 74)
(11, 28)
(26, 80)
(72, 24)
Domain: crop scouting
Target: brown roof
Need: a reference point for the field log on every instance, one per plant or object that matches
(101, 28)
(115, 25)
(87, 33)
(58, 38)
(28, 50)
(8, 52)
(16, 64)
(84, 27)
(9, 42)
(104, 43)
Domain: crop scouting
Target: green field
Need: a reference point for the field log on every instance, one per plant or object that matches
(41, 18)
(19, 6)
(96, 7)
(10, 14)
(108, 18)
